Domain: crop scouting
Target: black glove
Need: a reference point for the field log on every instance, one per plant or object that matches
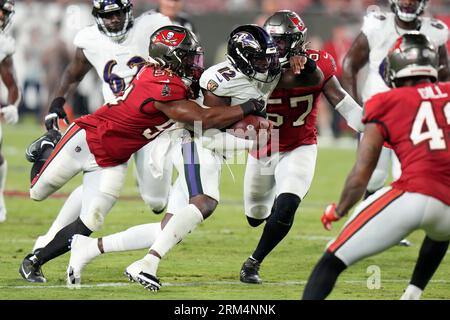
(56, 112)
(255, 107)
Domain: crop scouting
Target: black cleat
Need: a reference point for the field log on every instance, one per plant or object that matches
(34, 150)
(149, 281)
(250, 272)
(30, 270)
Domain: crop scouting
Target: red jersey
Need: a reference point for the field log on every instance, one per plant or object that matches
(117, 130)
(294, 111)
(415, 121)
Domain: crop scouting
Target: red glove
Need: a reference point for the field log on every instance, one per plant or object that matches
(329, 216)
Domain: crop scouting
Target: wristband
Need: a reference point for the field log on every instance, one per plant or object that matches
(247, 107)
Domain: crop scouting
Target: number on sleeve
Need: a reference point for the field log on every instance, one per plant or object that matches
(227, 73)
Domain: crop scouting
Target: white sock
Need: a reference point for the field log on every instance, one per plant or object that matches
(134, 238)
(3, 170)
(412, 293)
(69, 212)
(177, 228)
(153, 263)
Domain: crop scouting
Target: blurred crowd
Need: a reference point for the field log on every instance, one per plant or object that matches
(44, 31)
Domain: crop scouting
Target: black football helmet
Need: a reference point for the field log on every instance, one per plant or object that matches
(408, 11)
(288, 32)
(105, 8)
(252, 51)
(7, 6)
(178, 49)
(413, 55)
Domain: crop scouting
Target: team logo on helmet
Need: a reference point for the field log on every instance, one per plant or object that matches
(299, 23)
(170, 38)
(246, 39)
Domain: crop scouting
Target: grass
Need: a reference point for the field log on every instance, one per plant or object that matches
(206, 264)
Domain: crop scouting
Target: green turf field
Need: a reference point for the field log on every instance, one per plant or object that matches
(206, 265)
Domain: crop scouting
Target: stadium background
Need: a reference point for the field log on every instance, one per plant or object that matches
(207, 264)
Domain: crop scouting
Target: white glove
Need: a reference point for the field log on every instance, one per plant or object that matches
(10, 114)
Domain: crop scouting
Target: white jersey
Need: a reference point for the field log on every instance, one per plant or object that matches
(7, 46)
(224, 80)
(117, 63)
(382, 32)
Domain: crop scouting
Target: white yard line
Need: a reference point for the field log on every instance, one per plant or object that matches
(204, 283)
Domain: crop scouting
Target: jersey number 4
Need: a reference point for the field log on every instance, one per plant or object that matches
(425, 127)
(294, 102)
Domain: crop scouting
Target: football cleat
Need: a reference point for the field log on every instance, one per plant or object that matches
(30, 269)
(73, 281)
(404, 243)
(79, 258)
(34, 150)
(150, 282)
(133, 270)
(250, 272)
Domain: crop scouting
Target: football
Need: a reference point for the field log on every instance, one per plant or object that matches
(250, 127)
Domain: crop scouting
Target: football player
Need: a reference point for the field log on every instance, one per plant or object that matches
(369, 47)
(414, 118)
(8, 112)
(251, 71)
(274, 185)
(116, 47)
(100, 144)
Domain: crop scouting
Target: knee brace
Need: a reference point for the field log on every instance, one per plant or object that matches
(284, 208)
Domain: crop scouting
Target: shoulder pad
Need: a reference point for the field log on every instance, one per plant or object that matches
(7, 46)
(379, 15)
(85, 37)
(437, 24)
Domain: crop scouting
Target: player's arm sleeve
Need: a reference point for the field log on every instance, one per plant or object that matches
(208, 83)
(164, 92)
(374, 112)
(352, 113)
(327, 64)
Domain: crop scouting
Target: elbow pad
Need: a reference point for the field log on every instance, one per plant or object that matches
(352, 113)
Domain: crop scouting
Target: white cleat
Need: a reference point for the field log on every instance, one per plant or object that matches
(80, 256)
(133, 270)
(73, 280)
